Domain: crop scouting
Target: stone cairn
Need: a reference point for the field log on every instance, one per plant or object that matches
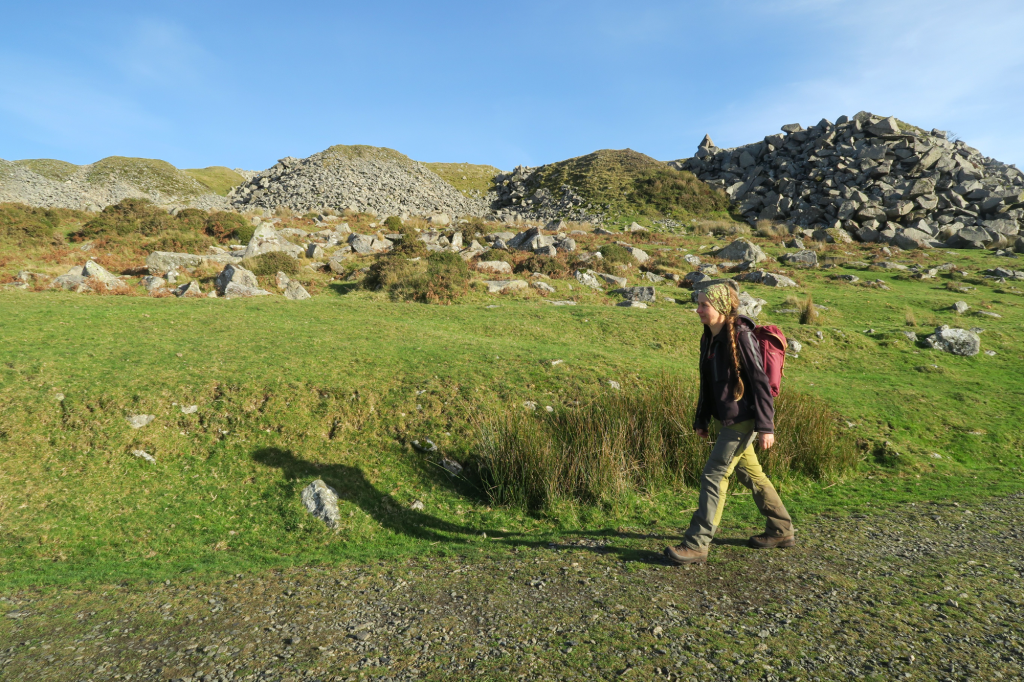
(872, 179)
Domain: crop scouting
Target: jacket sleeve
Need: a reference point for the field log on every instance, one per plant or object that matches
(757, 383)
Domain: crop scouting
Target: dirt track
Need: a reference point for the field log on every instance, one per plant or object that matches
(933, 594)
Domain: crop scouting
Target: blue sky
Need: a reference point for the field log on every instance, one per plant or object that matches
(243, 84)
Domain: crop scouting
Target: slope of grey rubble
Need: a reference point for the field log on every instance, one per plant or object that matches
(358, 178)
(82, 192)
(870, 178)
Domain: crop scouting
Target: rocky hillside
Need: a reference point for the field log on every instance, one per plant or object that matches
(870, 178)
(604, 184)
(356, 177)
(58, 184)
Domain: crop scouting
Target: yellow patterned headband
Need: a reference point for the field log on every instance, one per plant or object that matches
(720, 298)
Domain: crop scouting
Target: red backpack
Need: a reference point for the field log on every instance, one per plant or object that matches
(772, 343)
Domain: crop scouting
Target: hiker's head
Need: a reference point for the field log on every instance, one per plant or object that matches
(716, 304)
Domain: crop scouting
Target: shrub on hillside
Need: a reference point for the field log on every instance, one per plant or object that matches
(614, 254)
(193, 219)
(409, 246)
(269, 264)
(24, 226)
(179, 241)
(441, 278)
(497, 254)
(393, 224)
(546, 265)
(243, 234)
(635, 440)
(672, 192)
(127, 217)
(225, 226)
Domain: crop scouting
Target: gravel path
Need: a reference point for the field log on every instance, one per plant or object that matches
(924, 592)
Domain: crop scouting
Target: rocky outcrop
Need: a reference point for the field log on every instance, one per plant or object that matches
(360, 178)
(873, 179)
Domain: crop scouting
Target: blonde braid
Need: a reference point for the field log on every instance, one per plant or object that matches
(730, 325)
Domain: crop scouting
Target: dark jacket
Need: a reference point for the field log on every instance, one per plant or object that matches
(717, 378)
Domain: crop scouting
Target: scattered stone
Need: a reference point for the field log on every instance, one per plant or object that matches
(142, 454)
(805, 258)
(321, 500)
(191, 409)
(960, 307)
(189, 290)
(543, 286)
(614, 385)
(417, 505)
(236, 290)
(137, 421)
(451, 466)
(152, 283)
(426, 446)
(282, 280)
(769, 279)
(235, 274)
(651, 277)
(631, 304)
(588, 279)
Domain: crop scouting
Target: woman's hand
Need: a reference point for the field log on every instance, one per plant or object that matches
(767, 440)
(703, 433)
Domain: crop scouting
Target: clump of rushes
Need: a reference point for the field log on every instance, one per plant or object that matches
(909, 318)
(635, 440)
(808, 311)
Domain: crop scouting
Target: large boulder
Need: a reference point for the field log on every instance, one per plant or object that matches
(495, 266)
(742, 250)
(294, 291)
(910, 239)
(768, 279)
(588, 279)
(642, 294)
(805, 258)
(505, 286)
(266, 239)
(640, 255)
(236, 290)
(238, 275)
(93, 270)
(750, 306)
(954, 340)
(160, 262)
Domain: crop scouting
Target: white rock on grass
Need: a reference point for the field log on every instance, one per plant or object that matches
(137, 421)
(451, 466)
(504, 286)
(542, 286)
(191, 409)
(321, 500)
(955, 341)
(282, 280)
(296, 292)
(495, 266)
(236, 290)
(235, 274)
(631, 304)
(142, 454)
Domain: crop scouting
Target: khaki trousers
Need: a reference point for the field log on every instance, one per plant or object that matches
(734, 451)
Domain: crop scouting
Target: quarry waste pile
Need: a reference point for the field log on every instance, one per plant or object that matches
(870, 178)
(358, 178)
(92, 187)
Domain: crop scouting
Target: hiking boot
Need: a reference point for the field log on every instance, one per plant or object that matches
(765, 541)
(684, 555)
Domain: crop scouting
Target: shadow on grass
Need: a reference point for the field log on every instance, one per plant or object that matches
(352, 485)
(342, 288)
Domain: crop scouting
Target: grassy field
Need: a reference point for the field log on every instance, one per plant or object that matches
(466, 177)
(337, 387)
(217, 179)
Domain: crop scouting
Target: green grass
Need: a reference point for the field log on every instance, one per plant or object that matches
(337, 387)
(339, 152)
(53, 169)
(147, 174)
(469, 178)
(217, 179)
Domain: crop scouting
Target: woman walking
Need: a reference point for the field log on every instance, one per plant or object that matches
(734, 392)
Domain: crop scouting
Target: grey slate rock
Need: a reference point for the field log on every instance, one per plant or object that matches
(955, 341)
(742, 250)
(641, 294)
(805, 258)
(294, 291)
(321, 500)
(238, 275)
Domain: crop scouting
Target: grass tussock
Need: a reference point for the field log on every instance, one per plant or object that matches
(721, 228)
(637, 440)
(808, 311)
(909, 318)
